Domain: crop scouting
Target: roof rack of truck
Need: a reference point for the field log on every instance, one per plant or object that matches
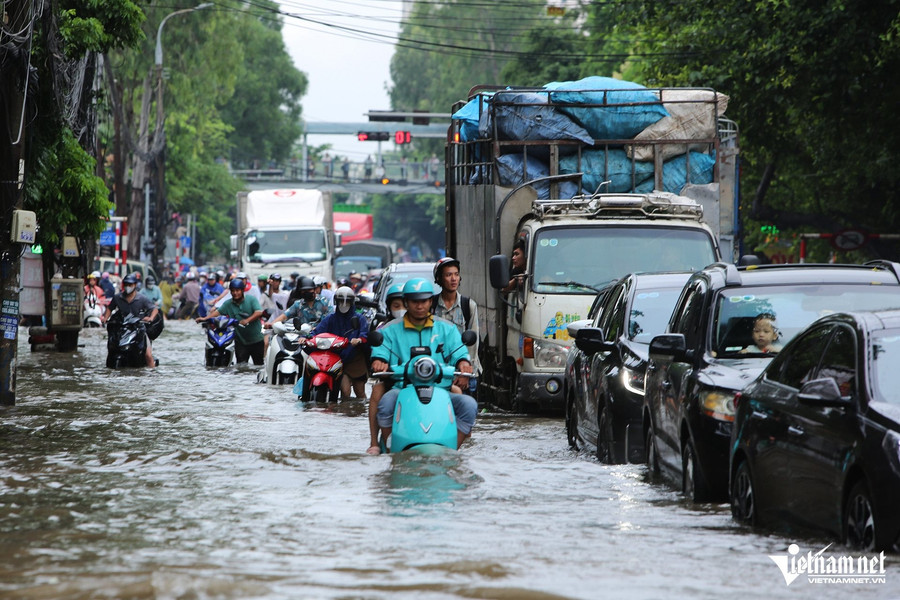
(653, 204)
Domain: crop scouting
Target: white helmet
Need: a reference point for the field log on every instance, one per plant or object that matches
(319, 280)
(344, 299)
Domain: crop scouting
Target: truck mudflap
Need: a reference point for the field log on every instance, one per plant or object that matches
(541, 390)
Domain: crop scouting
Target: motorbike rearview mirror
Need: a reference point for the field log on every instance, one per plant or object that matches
(469, 337)
(376, 338)
(298, 323)
(355, 321)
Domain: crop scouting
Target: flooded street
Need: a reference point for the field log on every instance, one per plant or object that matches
(187, 482)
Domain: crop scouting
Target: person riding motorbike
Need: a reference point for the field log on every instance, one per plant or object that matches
(396, 310)
(340, 322)
(308, 307)
(209, 293)
(460, 310)
(129, 301)
(419, 328)
(248, 343)
(93, 293)
(152, 291)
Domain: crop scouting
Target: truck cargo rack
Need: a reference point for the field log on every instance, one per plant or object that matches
(655, 204)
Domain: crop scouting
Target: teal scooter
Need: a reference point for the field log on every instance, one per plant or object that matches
(423, 416)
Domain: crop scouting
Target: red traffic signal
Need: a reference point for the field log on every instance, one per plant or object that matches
(373, 136)
(402, 137)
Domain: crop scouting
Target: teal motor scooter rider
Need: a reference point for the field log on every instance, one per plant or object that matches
(417, 331)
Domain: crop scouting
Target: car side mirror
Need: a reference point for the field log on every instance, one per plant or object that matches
(822, 392)
(469, 337)
(376, 338)
(498, 268)
(591, 340)
(670, 347)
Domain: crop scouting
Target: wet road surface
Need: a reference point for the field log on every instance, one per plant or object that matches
(188, 482)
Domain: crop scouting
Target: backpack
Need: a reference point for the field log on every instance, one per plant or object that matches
(464, 302)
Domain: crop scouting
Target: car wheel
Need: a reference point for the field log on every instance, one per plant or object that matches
(651, 455)
(571, 425)
(692, 482)
(743, 496)
(859, 519)
(606, 447)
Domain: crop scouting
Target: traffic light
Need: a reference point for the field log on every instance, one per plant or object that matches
(373, 136)
(402, 137)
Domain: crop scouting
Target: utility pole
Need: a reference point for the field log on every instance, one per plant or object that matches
(17, 16)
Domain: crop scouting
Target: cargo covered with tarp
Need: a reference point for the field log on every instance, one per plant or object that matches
(623, 137)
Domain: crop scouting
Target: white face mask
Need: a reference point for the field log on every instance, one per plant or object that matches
(398, 314)
(344, 307)
(129, 289)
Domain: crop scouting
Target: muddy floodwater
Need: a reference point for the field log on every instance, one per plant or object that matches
(187, 482)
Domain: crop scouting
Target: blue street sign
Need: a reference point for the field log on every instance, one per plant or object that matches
(108, 238)
(185, 241)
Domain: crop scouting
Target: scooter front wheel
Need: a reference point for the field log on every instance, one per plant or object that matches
(320, 394)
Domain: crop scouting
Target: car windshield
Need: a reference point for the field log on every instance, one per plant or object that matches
(650, 313)
(402, 277)
(581, 260)
(885, 358)
(784, 311)
(359, 264)
(286, 245)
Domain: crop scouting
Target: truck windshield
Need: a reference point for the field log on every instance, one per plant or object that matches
(578, 260)
(287, 245)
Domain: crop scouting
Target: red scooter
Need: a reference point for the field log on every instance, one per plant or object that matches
(323, 368)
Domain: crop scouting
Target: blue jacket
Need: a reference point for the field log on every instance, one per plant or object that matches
(400, 336)
(339, 323)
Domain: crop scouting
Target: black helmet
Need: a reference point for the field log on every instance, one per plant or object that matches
(306, 283)
(130, 278)
(447, 261)
(236, 284)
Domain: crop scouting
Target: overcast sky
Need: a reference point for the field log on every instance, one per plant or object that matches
(345, 49)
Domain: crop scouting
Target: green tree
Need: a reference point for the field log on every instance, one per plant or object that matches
(62, 186)
(812, 86)
(264, 110)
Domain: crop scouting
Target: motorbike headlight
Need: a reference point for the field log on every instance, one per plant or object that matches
(549, 355)
(424, 369)
(718, 404)
(891, 446)
(633, 380)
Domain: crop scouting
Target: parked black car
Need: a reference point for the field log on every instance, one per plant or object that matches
(715, 347)
(816, 438)
(605, 381)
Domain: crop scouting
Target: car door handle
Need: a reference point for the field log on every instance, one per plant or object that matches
(795, 430)
(757, 414)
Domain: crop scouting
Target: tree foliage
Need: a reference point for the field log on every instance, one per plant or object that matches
(232, 95)
(62, 187)
(812, 86)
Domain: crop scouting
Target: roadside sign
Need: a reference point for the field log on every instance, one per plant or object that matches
(108, 238)
(185, 241)
(849, 239)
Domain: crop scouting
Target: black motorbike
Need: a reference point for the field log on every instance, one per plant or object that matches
(127, 342)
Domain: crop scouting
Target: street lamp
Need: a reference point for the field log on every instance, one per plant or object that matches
(167, 17)
(160, 124)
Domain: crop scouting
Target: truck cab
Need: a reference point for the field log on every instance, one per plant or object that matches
(571, 255)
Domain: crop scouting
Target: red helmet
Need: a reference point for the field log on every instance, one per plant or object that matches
(447, 261)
